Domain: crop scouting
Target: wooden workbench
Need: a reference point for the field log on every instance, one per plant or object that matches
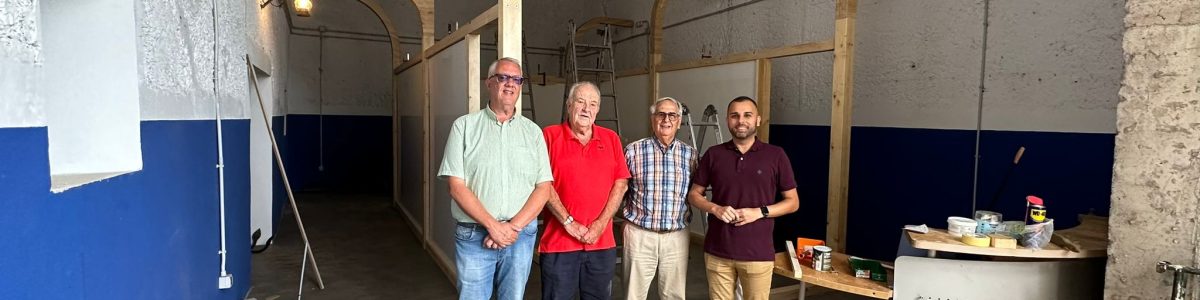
(841, 278)
(1088, 240)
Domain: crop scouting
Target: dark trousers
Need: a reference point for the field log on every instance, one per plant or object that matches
(588, 273)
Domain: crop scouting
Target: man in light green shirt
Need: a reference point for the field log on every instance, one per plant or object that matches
(499, 174)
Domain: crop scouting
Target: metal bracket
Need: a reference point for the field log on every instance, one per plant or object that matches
(1179, 290)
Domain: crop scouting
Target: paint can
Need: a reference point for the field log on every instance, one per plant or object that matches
(957, 226)
(822, 258)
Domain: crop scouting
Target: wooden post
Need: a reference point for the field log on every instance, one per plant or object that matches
(425, 8)
(508, 28)
(654, 50)
(764, 97)
(473, 101)
(839, 131)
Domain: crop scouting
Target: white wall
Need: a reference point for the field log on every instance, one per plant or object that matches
(448, 101)
(357, 71)
(716, 86)
(177, 58)
(91, 96)
(356, 77)
(262, 158)
(411, 99)
(20, 74)
(917, 63)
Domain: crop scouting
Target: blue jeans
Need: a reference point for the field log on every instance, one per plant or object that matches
(482, 270)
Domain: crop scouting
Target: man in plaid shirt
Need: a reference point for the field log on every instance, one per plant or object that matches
(656, 206)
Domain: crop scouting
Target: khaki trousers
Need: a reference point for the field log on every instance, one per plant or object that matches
(723, 275)
(648, 253)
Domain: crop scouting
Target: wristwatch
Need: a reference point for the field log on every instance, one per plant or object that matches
(765, 212)
(569, 220)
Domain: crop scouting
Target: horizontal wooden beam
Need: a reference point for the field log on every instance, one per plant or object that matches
(806, 48)
(476, 26)
(598, 22)
(551, 79)
(408, 64)
(632, 72)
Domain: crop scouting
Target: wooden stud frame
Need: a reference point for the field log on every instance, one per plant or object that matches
(842, 46)
(506, 16)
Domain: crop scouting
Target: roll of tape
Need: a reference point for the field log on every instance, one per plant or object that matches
(977, 240)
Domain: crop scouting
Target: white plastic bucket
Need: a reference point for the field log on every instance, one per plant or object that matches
(957, 226)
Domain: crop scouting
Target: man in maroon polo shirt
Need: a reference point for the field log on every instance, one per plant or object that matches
(590, 176)
(747, 177)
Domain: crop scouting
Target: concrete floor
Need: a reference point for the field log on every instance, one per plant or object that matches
(365, 250)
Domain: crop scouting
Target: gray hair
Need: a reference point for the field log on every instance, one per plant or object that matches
(575, 87)
(492, 68)
(654, 107)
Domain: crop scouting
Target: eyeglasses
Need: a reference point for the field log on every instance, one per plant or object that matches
(669, 116)
(501, 78)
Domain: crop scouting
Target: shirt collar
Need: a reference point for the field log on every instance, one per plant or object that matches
(571, 134)
(660, 146)
(753, 147)
(487, 110)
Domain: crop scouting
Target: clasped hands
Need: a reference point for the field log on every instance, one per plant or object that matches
(504, 234)
(588, 234)
(737, 216)
(501, 235)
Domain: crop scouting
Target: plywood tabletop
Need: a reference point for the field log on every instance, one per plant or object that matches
(841, 278)
(1090, 239)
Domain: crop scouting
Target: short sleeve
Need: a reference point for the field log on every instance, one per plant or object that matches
(544, 173)
(701, 176)
(787, 178)
(452, 156)
(620, 165)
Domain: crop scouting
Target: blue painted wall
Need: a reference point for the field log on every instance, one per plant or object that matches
(904, 176)
(357, 153)
(142, 235)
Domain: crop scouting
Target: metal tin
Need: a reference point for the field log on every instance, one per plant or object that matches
(822, 258)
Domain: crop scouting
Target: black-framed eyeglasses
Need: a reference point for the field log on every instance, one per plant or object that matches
(501, 78)
(665, 115)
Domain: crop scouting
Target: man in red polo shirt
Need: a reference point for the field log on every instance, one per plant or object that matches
(590, 176)
(747, 177)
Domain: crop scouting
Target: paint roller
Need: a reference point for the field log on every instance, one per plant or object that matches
(1004, 180)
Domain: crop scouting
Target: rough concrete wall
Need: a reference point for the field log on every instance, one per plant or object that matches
(269, 37)
(20, 57)
(1053, 65)
(177, 58)
(1155, 201)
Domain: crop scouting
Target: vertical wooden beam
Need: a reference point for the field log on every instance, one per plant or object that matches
(425, 8)
(473, 81)
(509, 25)
(425, 13)
(764, 97)
(654, 49)
(839, 131)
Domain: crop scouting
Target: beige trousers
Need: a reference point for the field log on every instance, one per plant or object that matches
(647, 253)
(723, 275)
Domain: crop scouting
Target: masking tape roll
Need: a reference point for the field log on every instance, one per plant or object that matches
(977, 240)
